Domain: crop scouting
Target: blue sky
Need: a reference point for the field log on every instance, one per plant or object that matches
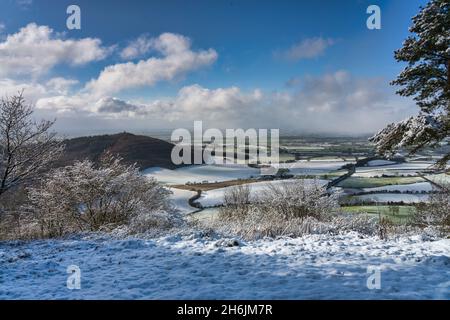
(262, 50)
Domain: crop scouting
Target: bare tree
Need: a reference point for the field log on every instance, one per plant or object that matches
(26, 147)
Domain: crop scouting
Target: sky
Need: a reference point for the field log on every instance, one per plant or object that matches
(139, 66)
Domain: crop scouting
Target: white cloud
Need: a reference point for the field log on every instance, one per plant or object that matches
(306, 49)
(335, 102)
(177, 59)
(332, 103)
(56, 90)
(34, 50)
(114, 105)
(2, 27)
(137, 48)
(61, 85)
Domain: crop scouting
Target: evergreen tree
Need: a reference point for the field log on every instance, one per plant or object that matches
(426, 78)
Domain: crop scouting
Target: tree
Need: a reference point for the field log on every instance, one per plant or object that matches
(426, 78)
(26, 147)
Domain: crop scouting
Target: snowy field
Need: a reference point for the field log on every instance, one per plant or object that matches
(412, 187)
(375, 163)
(408, 168)
(176, 267)
(200, 173)
(312, 167)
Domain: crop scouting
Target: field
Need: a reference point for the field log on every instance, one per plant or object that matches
(396, 214)
(363, 182)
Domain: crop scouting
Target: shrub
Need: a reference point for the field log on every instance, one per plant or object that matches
(287, 208)
(298, 198)
(236, 202)
(82, 197)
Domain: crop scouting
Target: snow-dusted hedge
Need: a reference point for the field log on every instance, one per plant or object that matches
(283, 209)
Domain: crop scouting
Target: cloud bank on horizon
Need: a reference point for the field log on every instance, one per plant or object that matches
(44, 63)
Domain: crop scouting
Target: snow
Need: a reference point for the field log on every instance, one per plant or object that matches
(304, 167)
(375, 163)
(179, 199)
(200, 173)
(412, 187)
(215, 197)
(192, 267)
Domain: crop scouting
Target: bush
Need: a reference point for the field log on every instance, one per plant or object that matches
(83, 197)
(236, 202)
(287, 208)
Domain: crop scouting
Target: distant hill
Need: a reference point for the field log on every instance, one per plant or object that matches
(145, 151)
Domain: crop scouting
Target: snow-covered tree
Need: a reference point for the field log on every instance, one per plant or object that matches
(83, 197)
(26, 147)
(426, 78)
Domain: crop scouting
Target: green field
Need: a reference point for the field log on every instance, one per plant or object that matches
(397, 214)
(370, 182)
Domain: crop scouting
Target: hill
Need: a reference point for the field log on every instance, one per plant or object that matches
(145, 151)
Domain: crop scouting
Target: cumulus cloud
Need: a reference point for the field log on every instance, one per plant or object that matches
(177, 59)
(137, 48)
(34, 50)
(51, 95)
(306, 49)
(114, 105)
(331, 103)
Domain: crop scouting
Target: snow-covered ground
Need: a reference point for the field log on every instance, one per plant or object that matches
(180, 200)
(191, 267)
